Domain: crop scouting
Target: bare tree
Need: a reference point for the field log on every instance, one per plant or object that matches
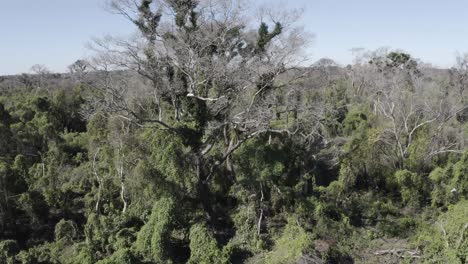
(459, 77)
(408, 103)
(203, 60)
(41, 72)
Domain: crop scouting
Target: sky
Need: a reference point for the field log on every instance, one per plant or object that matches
(55, 32)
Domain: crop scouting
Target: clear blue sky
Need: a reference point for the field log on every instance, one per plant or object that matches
(54, 32)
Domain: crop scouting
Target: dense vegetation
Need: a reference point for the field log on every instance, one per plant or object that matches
(219, 148)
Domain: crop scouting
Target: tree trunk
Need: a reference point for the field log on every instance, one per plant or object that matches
(204, 191)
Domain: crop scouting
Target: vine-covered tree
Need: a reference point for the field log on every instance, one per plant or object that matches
(211, 79)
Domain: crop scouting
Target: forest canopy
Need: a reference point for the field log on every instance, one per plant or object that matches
(204, 138)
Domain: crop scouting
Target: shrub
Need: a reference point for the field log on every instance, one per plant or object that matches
(450, 183)
(8, 249)
(409, 185)
(446, 241)
(65, 230)
(123, 256)
(152, 240)
(460, 177)
(203, 246)
(291, 245)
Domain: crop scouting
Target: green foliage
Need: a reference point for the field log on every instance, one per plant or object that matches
(401, 59)
(400, 227)
(148, 21)
(246, 237)
(441, 194)
(460, 177)
(409, 185)
(122, 256)
(184, 9)
(292, 244)
(264, 36)
(355, 121)
(450, 183)
(260, 162)
(65, 230)
(167, 160)
(363, 164)
(417, 159)
(8, 249)
(97, 128)
(34, 206)
(106, 233)
(203, 246)
(446, 240)
(59, 252)
(77, 254)
(153, 238)
(39, 254)
(336, 110)
(332, 189)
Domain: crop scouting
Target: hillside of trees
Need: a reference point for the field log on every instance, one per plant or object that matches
(205, 139)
